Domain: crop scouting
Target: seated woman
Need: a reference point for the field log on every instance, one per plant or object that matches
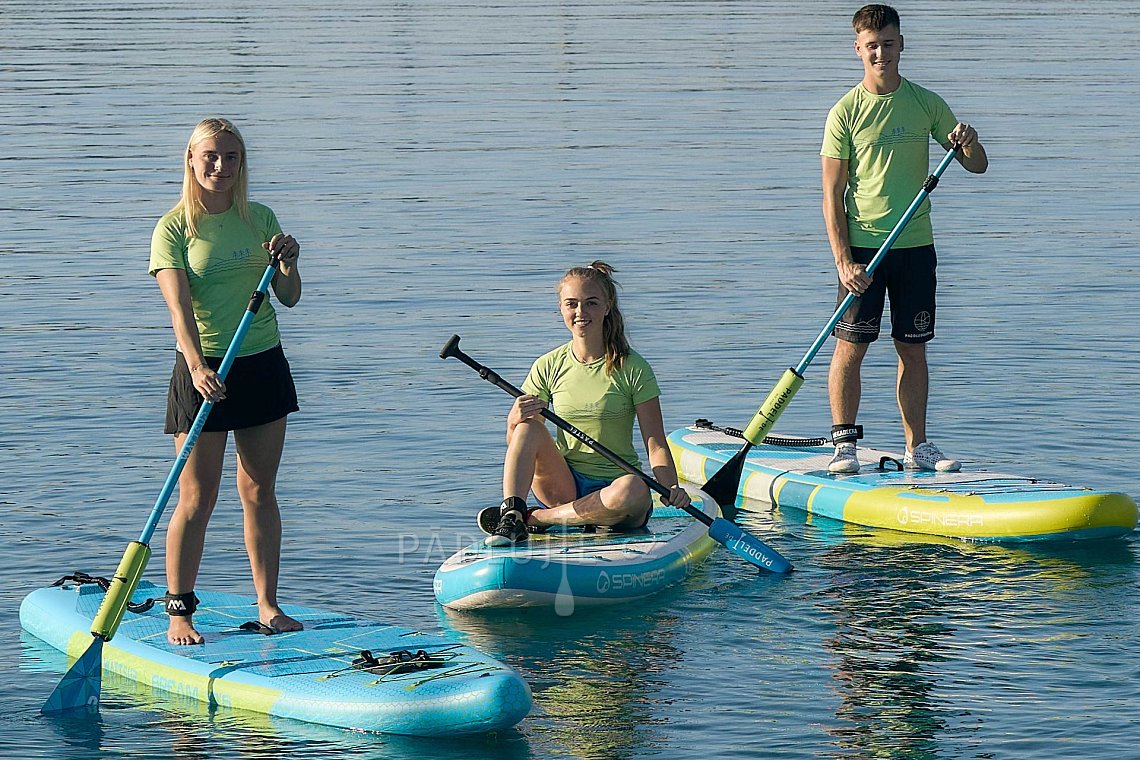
(598, 384)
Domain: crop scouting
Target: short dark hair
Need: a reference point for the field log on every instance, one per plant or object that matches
(875, 18)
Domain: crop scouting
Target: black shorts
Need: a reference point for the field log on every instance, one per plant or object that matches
(907, 277)
(259, 390)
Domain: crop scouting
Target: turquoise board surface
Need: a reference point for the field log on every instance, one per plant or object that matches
(305, 675)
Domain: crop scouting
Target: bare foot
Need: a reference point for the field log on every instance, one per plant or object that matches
(182, 633)
(276, 619)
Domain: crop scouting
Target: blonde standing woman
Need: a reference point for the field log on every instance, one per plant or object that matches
(208, 254)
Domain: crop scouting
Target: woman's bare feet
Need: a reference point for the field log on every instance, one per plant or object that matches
(181, 631)
(278, 620)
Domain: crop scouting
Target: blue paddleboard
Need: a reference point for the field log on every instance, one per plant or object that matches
(421, 684)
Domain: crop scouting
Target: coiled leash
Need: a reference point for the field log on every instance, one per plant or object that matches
(771, 440)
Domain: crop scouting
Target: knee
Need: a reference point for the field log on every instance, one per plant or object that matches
(256, 494)
(910, 353)
(848, 355)
(527, 435)
(195, 507)
(630, 493)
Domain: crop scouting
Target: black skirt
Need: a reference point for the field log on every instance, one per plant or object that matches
(259, 390)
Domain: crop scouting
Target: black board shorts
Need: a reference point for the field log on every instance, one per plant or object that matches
(259, 390)
(907, 277)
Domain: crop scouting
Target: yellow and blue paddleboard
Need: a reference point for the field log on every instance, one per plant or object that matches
(340, 671)
(976, 505)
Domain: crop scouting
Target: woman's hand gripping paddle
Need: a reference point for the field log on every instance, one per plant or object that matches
(80, 685)
(737, 540)
(724, 485)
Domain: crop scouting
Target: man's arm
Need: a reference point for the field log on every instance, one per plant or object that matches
(853, 276)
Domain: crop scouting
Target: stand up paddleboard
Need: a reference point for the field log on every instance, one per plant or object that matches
(565, 568)
(340, 671)
(972, 504)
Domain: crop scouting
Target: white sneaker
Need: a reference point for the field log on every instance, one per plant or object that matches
(927, 456)
(845, 459)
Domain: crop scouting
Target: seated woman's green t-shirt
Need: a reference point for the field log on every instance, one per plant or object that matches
(601, 406)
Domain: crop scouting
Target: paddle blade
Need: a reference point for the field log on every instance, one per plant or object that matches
(724, 485)
(746, 546)
(80, 685)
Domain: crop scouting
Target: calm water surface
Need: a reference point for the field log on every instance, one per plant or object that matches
(443, 163)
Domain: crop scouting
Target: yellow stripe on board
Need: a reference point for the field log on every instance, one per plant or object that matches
(969, 516)
(186, 684)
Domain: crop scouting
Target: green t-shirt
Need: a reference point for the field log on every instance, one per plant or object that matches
(601, 406)
(224, 264)
(886, 141)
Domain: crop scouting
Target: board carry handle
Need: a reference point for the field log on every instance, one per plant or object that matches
(737, 540)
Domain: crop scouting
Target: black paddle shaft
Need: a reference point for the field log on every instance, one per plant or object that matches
(451, 350)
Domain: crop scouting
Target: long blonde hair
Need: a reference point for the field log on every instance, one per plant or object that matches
(613, 326)
(190, 204)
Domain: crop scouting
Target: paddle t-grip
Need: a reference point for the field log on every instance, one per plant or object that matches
(450, 348)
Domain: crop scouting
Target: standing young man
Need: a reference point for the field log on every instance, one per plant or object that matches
(876, 155)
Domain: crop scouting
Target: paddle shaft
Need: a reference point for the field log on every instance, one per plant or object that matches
(928, 186)
(251, 310)
(452, 349)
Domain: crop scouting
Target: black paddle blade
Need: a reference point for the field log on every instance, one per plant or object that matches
(726, 482)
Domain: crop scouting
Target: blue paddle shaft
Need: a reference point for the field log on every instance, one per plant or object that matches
(927, 187)
(255, 302)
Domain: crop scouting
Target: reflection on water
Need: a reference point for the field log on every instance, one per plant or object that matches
(919, 619)
(594, 676)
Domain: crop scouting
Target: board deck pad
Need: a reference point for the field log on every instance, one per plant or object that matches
(305, 675)
(565, 568)
(973, 504)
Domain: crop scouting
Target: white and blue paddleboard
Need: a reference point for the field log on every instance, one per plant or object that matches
(409, 683)
(568, 567)
(973, 504)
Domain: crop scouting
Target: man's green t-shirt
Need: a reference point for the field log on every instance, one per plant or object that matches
(224, 264)
(601, 406)
(886, 141)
